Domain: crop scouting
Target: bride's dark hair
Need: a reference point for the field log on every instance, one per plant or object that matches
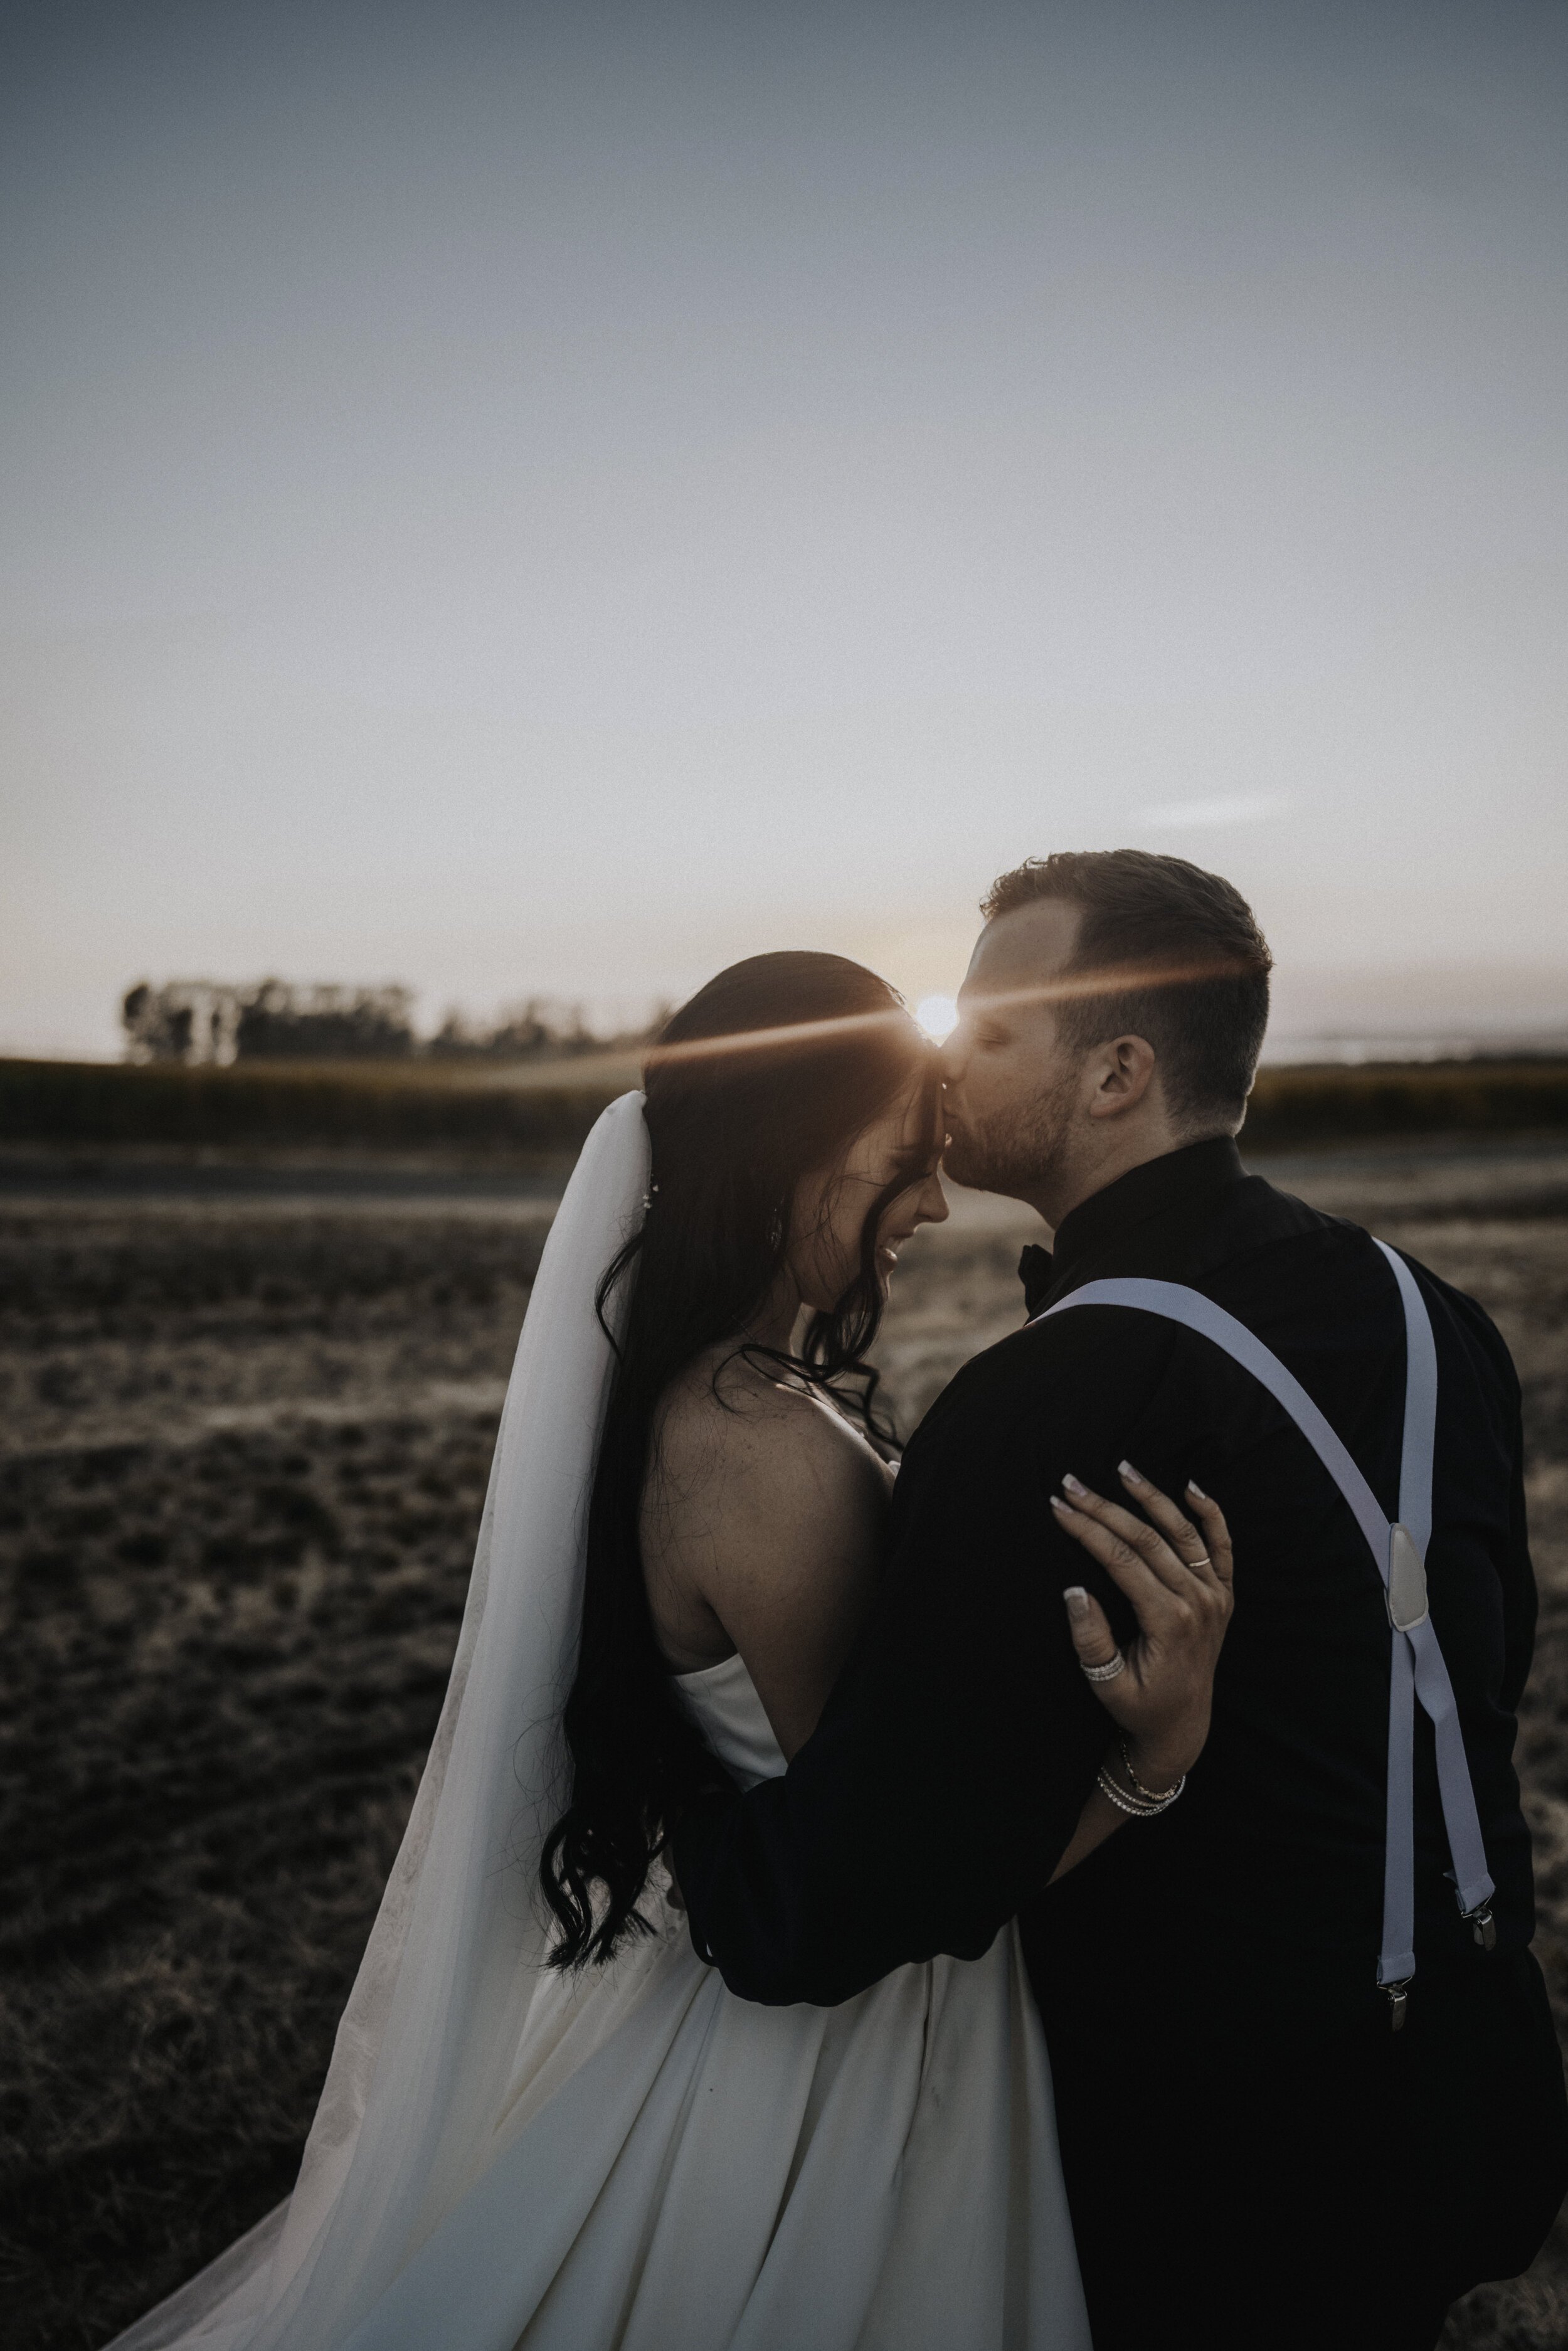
(766, 1077)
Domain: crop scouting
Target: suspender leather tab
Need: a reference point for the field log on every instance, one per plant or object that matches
(1407, 1593)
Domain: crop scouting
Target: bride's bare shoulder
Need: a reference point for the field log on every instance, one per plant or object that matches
(761, 1530)
(735, 1422)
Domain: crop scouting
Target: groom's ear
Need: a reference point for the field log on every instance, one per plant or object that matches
(1118, 1075)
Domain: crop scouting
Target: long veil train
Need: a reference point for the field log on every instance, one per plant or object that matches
(424, 2050)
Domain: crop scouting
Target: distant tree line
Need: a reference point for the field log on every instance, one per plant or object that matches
(198, 1020)
(541, 1028)
(537, 1026)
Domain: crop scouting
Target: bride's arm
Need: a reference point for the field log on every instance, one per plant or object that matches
(1178, 1578)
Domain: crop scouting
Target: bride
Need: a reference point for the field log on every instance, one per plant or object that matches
(546, 2125)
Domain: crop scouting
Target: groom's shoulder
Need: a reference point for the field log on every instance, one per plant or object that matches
(1333, 1260)
(1043, 1360)
(1264, 1249)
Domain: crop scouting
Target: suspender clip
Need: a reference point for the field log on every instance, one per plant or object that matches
(1398, 1997)
(1481, 1925)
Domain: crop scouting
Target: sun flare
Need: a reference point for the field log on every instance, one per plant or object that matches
(938, 1016)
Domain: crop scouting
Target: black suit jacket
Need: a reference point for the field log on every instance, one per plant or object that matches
(957, 1750)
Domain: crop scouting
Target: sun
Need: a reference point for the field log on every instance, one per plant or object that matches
(938, 1016)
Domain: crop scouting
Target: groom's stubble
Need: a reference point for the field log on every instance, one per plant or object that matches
(1014, 1150)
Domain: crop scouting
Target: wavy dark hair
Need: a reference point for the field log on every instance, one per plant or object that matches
(764, 1079)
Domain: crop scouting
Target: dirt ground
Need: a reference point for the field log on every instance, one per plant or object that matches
(243, 1449)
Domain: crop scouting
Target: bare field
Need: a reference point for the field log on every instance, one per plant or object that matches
(243, 1450)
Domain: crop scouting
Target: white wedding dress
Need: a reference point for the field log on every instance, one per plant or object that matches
(510, 2159)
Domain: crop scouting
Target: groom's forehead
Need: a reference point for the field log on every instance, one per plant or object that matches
(1029, 944)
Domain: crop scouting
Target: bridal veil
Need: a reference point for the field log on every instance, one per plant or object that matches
(426, 2046)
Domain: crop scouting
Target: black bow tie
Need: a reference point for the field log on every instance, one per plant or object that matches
(1037, 1271)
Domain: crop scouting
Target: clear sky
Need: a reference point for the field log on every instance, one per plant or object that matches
(559, 496)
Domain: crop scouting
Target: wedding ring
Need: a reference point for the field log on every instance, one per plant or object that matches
(1204, 1562)
(1108, 1671)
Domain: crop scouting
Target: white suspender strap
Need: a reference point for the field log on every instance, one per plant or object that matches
(1417, 1654)
(1417, 1667)
(1420, 1403)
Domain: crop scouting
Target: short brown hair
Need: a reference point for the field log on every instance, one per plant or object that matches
(1187, 965)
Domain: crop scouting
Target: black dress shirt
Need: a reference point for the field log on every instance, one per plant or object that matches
(955, 1753)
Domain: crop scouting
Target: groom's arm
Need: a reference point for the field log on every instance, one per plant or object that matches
(955, 1753)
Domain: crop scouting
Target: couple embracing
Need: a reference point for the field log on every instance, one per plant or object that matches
(845, 1912)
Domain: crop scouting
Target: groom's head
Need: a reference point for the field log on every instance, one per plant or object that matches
(1114, 1011)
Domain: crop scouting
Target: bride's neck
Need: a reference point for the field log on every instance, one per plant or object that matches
(773, 1324)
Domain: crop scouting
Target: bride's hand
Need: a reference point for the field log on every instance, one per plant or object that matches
(1178, 1580)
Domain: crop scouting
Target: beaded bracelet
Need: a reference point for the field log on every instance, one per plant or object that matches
(1150, 1796)
(1137, 1808)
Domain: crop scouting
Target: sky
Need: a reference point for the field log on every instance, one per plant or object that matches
(516, 498)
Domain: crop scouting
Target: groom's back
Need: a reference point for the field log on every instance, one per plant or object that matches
(1208, 1978)
(1263, 1889)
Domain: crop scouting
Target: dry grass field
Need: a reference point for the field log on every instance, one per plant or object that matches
(242, 1448)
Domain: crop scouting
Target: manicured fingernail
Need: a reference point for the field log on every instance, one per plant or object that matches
(1058, 1504)
(1077, 1600)
(1073, 1486)
(1194, 1489)
(1133, 1476)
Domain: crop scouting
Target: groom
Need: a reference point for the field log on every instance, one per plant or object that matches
(1254, 2156)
